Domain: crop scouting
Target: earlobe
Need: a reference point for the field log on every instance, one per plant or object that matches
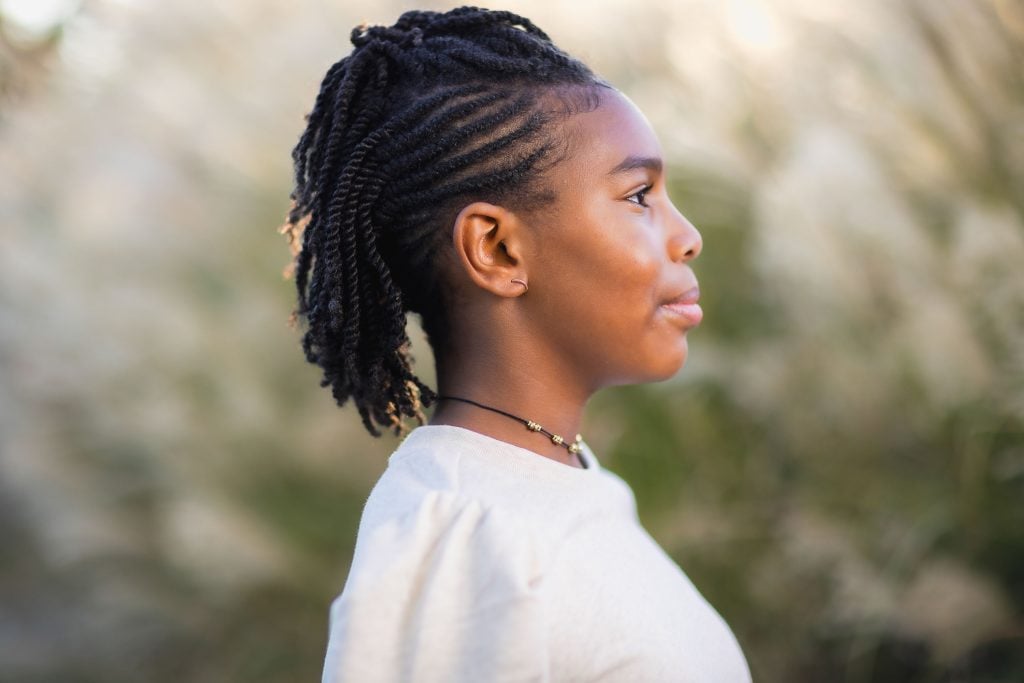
(488, 242)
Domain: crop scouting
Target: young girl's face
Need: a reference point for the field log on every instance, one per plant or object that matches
(617, 252)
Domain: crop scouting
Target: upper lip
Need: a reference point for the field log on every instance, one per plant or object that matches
(689, 296)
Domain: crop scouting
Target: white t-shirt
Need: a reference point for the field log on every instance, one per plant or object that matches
(479, 561)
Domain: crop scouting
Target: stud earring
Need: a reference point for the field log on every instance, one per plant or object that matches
(525, 287)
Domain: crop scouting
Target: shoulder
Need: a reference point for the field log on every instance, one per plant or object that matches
(447, 590)
(447, 536)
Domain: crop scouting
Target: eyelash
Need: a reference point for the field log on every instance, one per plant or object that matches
(641, 196)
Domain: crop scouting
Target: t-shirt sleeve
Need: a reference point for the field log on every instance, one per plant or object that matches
(449, 591)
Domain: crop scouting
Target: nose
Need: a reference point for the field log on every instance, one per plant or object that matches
(684, 240)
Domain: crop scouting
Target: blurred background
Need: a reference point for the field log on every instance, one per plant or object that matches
(839, 468)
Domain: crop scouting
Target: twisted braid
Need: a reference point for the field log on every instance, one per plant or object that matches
(422, 118)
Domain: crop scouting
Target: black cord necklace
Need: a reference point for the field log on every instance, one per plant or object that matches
(573, 446)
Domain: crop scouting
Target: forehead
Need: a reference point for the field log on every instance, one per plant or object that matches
(605, 136)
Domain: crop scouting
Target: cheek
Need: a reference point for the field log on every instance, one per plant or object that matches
(621, 291)
(616, 241)
(608, 272)
(632, 272)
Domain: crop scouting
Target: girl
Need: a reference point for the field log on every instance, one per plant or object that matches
(460, 166)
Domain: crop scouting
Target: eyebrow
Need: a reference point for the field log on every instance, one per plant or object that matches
(632, 163)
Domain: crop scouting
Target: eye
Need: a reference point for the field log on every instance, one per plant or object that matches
(640, 196)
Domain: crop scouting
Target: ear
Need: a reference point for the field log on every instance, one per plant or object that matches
(490, 244)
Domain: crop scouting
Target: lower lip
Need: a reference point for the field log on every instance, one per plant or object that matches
(691, 313)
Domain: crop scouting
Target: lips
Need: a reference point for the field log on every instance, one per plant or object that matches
(685, 307)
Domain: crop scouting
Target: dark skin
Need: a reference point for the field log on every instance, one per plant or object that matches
(605, 264)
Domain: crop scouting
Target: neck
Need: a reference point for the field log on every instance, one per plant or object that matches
(522, 385)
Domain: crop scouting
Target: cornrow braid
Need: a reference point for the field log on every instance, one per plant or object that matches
(420, 119)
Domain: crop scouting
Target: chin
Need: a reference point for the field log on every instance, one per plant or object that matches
(667, 365)
(653, 364)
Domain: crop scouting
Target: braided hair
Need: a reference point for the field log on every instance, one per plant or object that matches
(421, 119)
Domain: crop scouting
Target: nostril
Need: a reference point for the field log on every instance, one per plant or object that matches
(696, 247)
(683, 247)
(685, 242)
